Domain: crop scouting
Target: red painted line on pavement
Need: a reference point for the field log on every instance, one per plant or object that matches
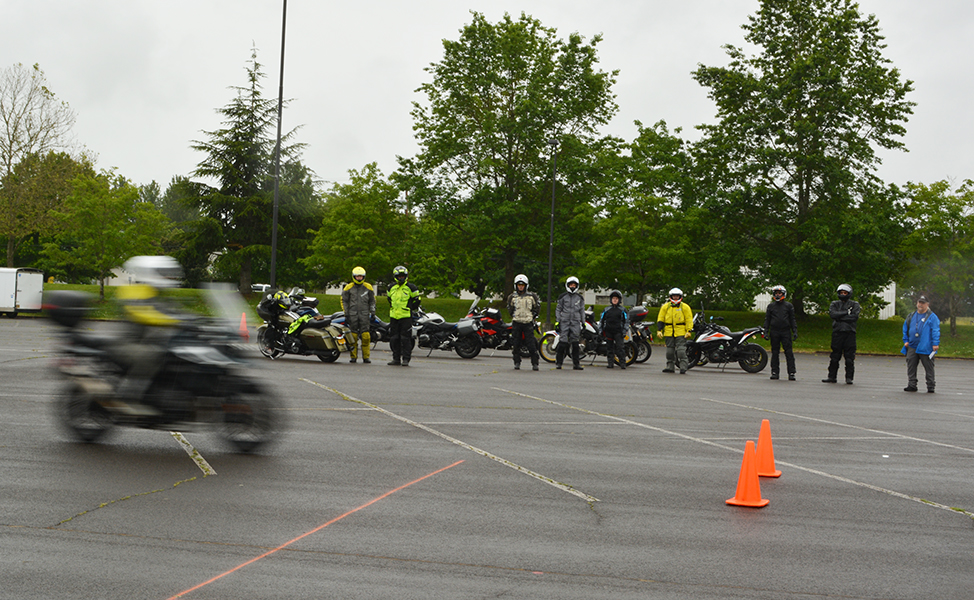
(315, 530)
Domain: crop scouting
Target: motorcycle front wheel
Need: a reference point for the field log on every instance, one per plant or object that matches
(267, 347)
(468, 346)
(546, 347)
(694, 357)
(81, 416)
(643, 351)
(755, 358)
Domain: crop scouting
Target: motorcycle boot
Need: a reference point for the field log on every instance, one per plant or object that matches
(576, 364)
(560, 352)
(774, 375)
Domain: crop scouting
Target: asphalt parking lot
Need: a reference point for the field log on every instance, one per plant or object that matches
(464, 479)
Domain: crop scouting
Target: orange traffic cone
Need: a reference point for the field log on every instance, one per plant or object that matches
(748, 486)
(766, 452)
(243, 327)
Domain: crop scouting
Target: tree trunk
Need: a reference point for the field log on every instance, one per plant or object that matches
(11, 251)
(246, 275)
(508, 273)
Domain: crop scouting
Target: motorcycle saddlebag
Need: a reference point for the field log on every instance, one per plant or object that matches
(318, 339)
(638, 313)
(493, 314)
(466, 327)
(66, 307)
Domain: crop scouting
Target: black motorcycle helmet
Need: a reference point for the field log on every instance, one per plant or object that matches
(400, 274)
(615, 294)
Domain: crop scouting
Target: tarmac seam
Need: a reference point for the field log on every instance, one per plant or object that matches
(557, 484)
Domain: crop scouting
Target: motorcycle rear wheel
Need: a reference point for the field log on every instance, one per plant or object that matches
(328, 356)
(643, 351)
(631, 352)
(251, 419)
(546, 348)
(468, 346)
(81, 416)
(755, 358)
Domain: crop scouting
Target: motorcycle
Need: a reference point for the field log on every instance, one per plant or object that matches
(200, 381)
(641, 332)
(430, 330)
(286, 331)
(494, 332)
(378, 329)
(592, 343)
(713, 343)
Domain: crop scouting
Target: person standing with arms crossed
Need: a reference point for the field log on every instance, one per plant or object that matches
(675, 324)
(403, 300)
(845, 314)
(781, 328)
(921, 341)
(613, 324)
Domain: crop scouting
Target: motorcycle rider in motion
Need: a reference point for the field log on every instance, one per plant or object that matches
(675, 324)
(570, 313)
(524, 307)
(403, 300)
(845, 313)
(782, 330)
(613, 323)
(358, 302)
(150, 323)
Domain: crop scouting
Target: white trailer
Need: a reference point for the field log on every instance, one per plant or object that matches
(21, 290)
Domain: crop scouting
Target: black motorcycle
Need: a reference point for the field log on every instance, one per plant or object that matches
(430, 330)
(200, 381)
(713, 343)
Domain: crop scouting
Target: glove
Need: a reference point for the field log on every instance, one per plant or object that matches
(764, 335)
(794, 336)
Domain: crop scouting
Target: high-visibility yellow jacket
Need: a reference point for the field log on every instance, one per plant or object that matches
(678, 320)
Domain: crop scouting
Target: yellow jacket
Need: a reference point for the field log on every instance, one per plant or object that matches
(677, 319)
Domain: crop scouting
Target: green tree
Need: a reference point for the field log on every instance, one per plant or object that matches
(236, 214)
(36, 186)
(109, 224)
(790, 164)
(497, 97)
(363, 225)
(940, 245)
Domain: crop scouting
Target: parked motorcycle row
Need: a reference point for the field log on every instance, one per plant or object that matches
(292, 325)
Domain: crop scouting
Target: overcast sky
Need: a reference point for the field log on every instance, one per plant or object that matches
(146, 77)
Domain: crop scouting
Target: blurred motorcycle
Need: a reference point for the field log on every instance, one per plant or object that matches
(200, 381)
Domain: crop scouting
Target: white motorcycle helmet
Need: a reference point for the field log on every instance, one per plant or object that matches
(521, 278)
(569, 282)
(157, 271)
(675, 292)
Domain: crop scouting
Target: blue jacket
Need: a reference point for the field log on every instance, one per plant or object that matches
(928, 329)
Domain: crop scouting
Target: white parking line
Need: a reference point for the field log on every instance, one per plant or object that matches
(563, 487)
(777, 462)
(193, 454)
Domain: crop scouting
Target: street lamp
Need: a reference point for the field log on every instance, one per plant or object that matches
(277, 157)
(551, 238)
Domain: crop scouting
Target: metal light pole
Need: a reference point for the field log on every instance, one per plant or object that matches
(277, 157)
(551, 238)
